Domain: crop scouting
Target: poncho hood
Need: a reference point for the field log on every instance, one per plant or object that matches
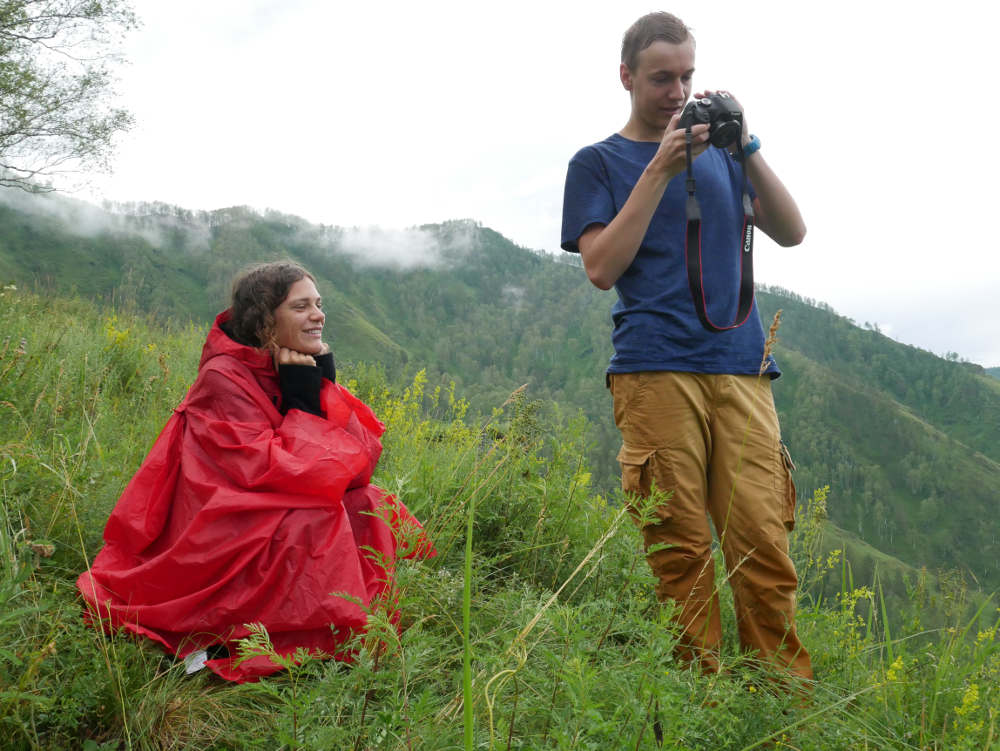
(219, 342)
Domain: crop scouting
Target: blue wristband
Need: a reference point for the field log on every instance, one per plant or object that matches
(752, 147)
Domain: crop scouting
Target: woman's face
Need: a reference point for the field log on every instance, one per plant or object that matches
(298, 321)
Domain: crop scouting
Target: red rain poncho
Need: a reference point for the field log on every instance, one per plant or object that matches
(240, 514)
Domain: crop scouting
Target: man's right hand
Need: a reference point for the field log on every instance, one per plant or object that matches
(671, 157)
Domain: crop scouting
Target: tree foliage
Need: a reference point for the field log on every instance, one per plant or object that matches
(56, 82)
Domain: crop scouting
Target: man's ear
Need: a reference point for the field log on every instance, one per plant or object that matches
(626, 76)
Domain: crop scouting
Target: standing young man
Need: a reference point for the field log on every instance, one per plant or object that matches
(697, 419)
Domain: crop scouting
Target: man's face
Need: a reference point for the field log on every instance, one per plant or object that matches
(660, 84)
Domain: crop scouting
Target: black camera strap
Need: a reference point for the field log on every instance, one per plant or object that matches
(692, 249)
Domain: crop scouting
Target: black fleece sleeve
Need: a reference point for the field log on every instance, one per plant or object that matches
(300, 386)
(327, 365)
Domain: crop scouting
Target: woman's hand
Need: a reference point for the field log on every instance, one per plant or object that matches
(286, 356)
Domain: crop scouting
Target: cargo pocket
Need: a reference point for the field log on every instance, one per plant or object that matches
(787, 488)
(644, 470)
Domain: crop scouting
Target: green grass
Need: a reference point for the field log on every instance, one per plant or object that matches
(567, 649)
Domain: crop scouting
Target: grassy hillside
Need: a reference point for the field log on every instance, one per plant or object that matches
(908, 442)
(568, 650)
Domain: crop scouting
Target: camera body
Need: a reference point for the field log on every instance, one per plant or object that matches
(723, 115)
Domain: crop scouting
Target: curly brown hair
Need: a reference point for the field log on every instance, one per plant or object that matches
(257, 292)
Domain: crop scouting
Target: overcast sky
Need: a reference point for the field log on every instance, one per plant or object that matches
(880, 117)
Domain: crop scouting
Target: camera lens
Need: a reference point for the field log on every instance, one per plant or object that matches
(726, 133)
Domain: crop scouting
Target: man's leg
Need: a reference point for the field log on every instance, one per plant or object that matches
(662, 419)
(752, 503)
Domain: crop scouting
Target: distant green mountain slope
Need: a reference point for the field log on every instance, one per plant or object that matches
(954, 396)
(909, 442)
(897, 480)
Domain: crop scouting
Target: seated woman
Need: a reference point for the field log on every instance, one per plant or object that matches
(254, 504)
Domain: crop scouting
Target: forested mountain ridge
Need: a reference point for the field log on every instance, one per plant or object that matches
(909, 442)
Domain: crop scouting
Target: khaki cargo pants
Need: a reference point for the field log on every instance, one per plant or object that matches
(713, 443)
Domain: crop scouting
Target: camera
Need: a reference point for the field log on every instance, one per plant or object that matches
(723, 115)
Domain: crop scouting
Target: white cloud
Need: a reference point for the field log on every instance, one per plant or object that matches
(400, 248)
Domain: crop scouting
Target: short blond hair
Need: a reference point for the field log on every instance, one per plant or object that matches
(652, 27)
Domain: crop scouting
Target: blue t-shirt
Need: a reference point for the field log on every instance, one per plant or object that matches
(655, 323)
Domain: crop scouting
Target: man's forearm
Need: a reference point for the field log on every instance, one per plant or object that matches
(777, 213)
(607, 251)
